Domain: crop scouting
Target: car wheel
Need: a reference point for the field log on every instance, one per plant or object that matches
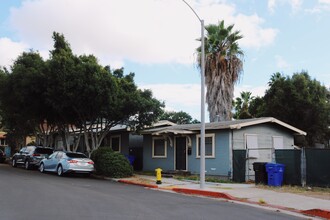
(60, 170)
(27, 165)
(42, 168)
(13, 162)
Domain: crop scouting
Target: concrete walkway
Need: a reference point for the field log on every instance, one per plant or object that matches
(242, 193)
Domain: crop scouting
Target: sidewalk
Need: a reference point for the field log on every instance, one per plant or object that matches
(242, 193)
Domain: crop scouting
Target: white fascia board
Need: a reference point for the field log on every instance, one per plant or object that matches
(266, 120)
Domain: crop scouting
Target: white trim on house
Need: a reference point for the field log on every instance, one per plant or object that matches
(234, 124)
(213, 145)
(115, 136)
(266, 120)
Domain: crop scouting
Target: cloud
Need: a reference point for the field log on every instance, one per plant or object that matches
(321, 6)
(281, 63)
(144, 31)
(178, 97)
(9, 51)
(271, 5)
(295, 4)
(187, 97)
(254, 35)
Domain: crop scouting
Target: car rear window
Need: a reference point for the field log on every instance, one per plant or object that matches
(75, 155)
(43, 151)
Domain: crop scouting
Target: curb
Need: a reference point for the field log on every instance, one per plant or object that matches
(317, 212)
(138, 184)
(204, 193)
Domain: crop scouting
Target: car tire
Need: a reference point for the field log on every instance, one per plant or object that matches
(42, 168)
(13, 162)
(60, 170)
(27, 165)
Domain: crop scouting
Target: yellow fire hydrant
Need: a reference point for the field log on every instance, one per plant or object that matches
(158, 176)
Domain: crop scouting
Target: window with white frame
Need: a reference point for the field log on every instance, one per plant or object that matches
(209, 146)
(159, 147)
(115, 143)
(3, 142)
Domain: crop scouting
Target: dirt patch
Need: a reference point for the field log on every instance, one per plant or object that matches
(315, 192)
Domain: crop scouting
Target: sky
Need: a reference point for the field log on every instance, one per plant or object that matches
(156, 39)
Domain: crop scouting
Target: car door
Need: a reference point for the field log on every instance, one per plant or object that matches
(50, 162)
(58, 158)
(21, 155)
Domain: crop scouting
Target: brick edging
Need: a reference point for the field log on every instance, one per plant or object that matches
(204, 193)
(317, 212)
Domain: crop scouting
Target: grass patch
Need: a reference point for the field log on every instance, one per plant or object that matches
(296, 189)
(317, 192)
(211, 179)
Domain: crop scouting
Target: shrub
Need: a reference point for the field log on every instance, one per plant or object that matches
(98, 152)
(112, 164)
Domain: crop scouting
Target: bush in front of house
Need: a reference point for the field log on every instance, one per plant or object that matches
(95, 155)
(112, 164)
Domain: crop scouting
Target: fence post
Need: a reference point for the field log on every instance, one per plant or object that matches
(303, 167)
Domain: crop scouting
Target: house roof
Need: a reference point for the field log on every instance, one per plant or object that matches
(236, 124)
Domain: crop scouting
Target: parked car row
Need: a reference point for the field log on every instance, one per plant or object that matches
(47, 160)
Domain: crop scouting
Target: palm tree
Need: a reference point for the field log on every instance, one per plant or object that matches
(242, 105)
(223, 68)
(275, 77)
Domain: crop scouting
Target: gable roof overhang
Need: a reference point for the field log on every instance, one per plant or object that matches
(237, 124)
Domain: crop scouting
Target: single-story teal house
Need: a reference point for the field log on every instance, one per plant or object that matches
(177, 147)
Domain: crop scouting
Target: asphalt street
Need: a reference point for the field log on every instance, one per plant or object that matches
(30, 195)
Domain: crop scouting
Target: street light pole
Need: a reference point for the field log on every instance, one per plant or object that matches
(202, 142)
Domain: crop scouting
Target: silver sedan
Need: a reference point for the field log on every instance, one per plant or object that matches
(62, 162)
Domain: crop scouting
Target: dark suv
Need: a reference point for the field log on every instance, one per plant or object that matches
(31, 156)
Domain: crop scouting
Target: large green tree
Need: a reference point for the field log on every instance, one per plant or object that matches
(22, 92)
(223, 67)
(180, 117)
(94, 98)
(300, 101)
(69, 93)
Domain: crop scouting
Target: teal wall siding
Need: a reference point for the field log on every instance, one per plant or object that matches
(149, 163)
(220, 165)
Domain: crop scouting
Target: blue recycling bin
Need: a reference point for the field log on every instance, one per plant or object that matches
(130, 158)
(275, 172)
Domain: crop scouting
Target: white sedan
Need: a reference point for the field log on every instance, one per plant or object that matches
(62, 162)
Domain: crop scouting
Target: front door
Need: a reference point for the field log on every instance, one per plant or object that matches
(180, 153)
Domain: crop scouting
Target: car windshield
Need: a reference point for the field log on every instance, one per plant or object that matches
(43, 151)
(75, 155)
